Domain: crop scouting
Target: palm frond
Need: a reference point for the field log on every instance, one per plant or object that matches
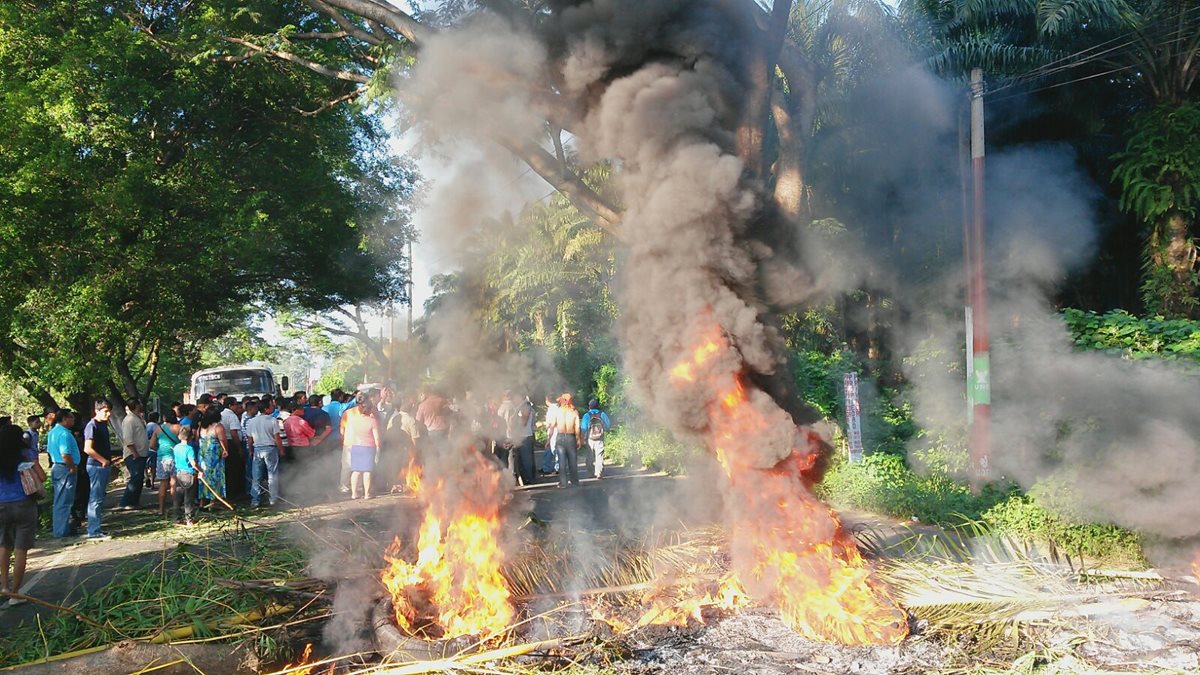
(1061, 16)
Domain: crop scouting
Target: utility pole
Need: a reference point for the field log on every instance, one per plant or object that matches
(391, 341)
(980, 378)
(964, 173)
(410, 290)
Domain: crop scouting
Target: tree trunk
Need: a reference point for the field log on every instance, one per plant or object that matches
(82, 403)
(1173, 281)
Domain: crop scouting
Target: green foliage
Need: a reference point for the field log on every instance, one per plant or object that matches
(1159, 171)
(653, 448)
(157, 187)
(1134, 337)
(818, 377)
(330, 380)
(882, 483)
(16, 402)
(610, 386)
(546, 278)
(175, 590)
(1048, 514)
(1030, 517)
(1159, 176)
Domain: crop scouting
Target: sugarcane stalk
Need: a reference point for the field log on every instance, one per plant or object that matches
(418, 667)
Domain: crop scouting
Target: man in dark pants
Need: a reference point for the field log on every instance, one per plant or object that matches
(136, 448)
(517, 413)
(566, 424)
(98, 448)
(235, 463)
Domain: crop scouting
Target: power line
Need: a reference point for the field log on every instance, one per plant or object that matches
(1063, 84)
(1178, 38)
(1050, 67)
(1058, 65)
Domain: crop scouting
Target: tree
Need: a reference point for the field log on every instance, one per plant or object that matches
(546, 279)
(380, 40)
(1148, 48)
(1159, 173)
(157, 191)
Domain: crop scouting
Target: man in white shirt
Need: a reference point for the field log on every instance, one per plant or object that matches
(263, 430)
(550, 457)
(135, 447)
(235, 464)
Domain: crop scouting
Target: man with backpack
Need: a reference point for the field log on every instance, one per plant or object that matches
(594, 425)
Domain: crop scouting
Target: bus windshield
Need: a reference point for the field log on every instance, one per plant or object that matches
(236, 382)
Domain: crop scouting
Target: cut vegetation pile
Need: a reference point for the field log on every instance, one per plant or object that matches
(194, 592)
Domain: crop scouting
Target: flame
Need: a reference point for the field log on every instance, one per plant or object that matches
(1196, 567)
(684, 603)
(731, 595)
(788, 548)
(683, 372)
(455, 582)
(412, 476)
(304, 657)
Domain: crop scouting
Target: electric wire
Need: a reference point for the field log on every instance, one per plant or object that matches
(1058, 65)
(1129, 66)
(1053, 66)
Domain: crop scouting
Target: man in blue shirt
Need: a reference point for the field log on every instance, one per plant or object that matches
(64, 452)
(335, 409)
(594, 424)
(98, 447)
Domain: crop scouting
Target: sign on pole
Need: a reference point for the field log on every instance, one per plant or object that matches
(853, 417)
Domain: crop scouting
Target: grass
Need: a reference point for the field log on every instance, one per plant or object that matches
(179, 592)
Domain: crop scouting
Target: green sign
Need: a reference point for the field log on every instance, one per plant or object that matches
(981, 380)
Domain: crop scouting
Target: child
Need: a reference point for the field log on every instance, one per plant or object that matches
(186, 470)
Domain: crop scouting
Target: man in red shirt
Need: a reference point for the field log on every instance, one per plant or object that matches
(434, 413)
(300, 432)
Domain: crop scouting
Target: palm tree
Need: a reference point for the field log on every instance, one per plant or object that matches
(1147, 47)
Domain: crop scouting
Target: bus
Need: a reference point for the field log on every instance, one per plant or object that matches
(238, 381)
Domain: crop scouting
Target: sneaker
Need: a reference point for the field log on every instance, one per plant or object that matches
(15, 602)
(103, 536)
(129, 507)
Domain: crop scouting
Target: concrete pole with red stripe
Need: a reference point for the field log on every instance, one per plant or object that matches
(980, 378)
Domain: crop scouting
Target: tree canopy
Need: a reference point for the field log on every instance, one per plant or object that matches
(156, 191)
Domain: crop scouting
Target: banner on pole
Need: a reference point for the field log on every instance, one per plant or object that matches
(853, 417)
(981, 379)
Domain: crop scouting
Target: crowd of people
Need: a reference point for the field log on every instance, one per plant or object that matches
(223, 448)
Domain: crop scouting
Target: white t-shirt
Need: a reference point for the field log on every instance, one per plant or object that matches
(263, 428)
(551, 419)
(229, 420)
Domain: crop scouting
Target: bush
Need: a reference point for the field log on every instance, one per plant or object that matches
(818, 377)
(331, 380)
(883, 484)
(1049, 514)
(1028, 517)
(654, 448)
(1134, 337)
(610, 385)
